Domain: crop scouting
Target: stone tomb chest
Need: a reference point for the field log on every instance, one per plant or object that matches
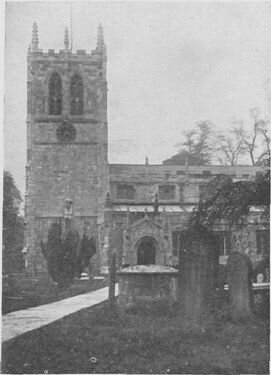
(147, 283)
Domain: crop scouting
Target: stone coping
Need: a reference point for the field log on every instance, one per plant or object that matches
(148, 270)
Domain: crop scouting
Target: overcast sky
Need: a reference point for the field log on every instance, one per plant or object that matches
(170, 64)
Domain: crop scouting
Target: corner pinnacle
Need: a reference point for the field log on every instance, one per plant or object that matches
(100, 39)
(35, 37)
(66, 39)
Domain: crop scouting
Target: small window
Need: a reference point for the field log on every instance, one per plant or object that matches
(77, 96)
(223, 243)
(177, 242)
(166, 192)
(55, 94)
(125, 192)
(263, 242)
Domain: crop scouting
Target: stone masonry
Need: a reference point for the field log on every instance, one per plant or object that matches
(70, 170)
(137, 211)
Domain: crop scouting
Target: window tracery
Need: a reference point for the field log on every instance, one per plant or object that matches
(77, 95)
(55, 94)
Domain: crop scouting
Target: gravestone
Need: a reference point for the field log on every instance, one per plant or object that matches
(198, 268)
(239, 271)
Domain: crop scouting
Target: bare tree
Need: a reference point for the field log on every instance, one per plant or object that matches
(263, 128)
(229, 147)
(256, 141)
(253, 142)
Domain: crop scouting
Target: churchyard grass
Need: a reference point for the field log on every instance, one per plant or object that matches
(22, 293)
(95, 340)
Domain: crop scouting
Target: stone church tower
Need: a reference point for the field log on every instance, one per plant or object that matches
(67, 165)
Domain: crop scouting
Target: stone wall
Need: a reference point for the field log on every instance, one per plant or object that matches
(76, 170)
(129, 227)
(189, 182)
(167, 172)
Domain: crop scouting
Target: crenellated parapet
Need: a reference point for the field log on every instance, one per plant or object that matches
(64, 54)
(96, 54)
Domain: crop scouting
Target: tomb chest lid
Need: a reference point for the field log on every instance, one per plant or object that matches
(148, 269)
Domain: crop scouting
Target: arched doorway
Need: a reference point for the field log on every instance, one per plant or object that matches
(146, 248)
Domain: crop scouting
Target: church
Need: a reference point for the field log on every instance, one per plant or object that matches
(137, 211)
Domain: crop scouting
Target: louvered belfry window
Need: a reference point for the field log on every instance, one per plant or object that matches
(77, 91)
(55, 94)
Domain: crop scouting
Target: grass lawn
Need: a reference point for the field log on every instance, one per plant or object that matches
(23, 293)
(138, 343)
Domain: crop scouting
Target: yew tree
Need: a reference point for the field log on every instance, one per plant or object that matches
(196, 147)
(66, 254)
(13, 227)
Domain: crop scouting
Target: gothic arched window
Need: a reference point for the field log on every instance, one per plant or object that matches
(55, 94)
(77, 96)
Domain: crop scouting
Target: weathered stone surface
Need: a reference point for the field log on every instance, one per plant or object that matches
(56, 171)
(244, 241)
(239, 270)
(198, 266)
(189, 185)
(145, 284)
(148, 269)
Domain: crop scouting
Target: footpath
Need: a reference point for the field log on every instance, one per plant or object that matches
(18, 322)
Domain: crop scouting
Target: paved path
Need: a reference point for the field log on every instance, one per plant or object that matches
(18, 322)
